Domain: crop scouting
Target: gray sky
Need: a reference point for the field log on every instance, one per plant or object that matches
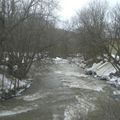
(69, 7)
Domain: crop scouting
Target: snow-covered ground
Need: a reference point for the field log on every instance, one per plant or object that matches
(8, 84)
(59, 60)
(103, 70)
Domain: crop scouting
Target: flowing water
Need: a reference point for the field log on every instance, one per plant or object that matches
(60, 91)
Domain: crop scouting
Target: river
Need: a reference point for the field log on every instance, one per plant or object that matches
(61, 91)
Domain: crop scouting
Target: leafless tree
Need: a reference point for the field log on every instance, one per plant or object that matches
(91, 28)
(113, 50)
(23, 26)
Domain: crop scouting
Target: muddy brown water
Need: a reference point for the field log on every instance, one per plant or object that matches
(61, 91)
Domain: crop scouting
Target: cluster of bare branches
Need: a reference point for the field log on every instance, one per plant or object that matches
(98, 32)
(24, 28)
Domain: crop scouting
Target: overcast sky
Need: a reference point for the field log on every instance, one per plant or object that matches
(69, 7)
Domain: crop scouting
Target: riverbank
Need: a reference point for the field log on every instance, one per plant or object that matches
(60, 91)
(105, 71)
(11, 87)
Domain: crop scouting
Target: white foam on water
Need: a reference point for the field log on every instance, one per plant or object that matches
(17, 110)
(85, 103)
(56, 117)
(99, 89)
(74, 111)
(71, 113)
(75, 74)
(82, 84)
(35, 96)
(58, 72)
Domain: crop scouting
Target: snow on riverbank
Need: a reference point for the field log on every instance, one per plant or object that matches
(8, 85)
(6, 82)
(79, 61)
(60, 60)
(103, 71)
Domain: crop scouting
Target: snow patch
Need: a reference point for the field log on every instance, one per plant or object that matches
(60, 60)
(79, 62)
(115, 81)
(102, 69)
(9, 84)
(117, 92)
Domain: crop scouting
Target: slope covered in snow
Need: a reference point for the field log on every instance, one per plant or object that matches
(7, 85)
(103, 71)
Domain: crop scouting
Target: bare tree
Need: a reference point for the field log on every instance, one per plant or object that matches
(91, 28)
(23, 26)
(98, 34)
(113, 50)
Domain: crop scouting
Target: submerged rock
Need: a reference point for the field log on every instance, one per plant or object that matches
(105, 78)
(117, 74)
(90, 72)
